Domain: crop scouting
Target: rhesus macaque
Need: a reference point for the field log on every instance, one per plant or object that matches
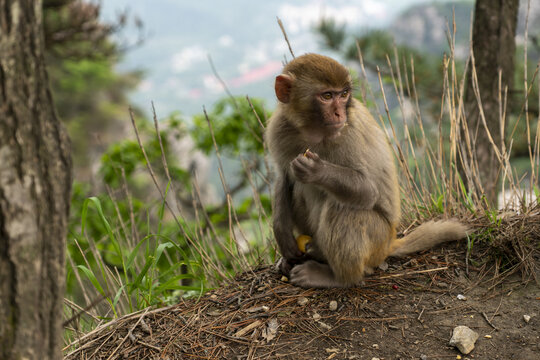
(336, 180)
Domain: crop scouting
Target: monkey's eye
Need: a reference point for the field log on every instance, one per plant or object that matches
(344, 93)
(327, 95)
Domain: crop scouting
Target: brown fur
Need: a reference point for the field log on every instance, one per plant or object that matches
(345, 193)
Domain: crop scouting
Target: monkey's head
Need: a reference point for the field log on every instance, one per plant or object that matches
(316, 92)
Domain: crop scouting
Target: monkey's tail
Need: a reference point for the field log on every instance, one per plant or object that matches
(428, 235)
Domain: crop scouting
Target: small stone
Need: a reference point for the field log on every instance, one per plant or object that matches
(375, 346)
(213, 296)
(324, 325)
(461, 297)
(527, 318)
(423, 357)
(333, 305)
(383, 266)
(442, 284)
(316, 316)
(374, 358)
(463, 338)
(302, 301)
(258, 309)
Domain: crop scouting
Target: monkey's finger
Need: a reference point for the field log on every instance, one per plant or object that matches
(300, 170)
(304, 161)
(311, 155)
(298, 164)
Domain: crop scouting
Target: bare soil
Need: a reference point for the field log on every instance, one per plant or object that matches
(405, 312)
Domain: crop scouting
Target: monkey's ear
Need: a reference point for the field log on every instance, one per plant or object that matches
(283, 87)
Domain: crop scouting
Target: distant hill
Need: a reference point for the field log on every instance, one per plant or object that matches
(425, 27)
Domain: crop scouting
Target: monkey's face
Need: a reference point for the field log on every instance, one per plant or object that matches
(332, 105)
(324, 114)
(315, 92)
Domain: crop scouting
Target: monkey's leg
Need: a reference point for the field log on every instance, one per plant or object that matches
(352, 242)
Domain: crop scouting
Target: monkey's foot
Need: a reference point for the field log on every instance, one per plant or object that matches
(283, 266)
(313, 274)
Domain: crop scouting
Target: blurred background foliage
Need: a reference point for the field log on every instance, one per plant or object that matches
(89, 93)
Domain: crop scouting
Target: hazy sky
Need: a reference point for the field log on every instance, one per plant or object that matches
(241, 36)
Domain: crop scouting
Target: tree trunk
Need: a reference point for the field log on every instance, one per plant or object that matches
(35, 186)
(493, 39)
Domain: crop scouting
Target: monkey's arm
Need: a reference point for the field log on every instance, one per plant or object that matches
(348, 185)
(283, 219)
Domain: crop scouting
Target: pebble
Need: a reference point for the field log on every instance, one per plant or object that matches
(375, 358)
(333, 305)
(383, 266)
(461, 297)
(527, 318)
(423, 357)
(302, 301)
(375, 346)
(463, 338)
(258, 309)
(324, 325)
(316, 316)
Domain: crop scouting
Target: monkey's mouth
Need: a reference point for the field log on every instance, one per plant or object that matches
(335, 125)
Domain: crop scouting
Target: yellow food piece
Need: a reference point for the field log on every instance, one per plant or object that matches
(305, 155)
(302, 241)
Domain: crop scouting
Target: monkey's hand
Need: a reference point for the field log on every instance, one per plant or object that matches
(307, 167)
(350, 186)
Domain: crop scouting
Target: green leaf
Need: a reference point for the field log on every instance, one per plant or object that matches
(160, 249)
(172, 284)
(136, 283)
(90, 275)
(135, 251)
(117, 296)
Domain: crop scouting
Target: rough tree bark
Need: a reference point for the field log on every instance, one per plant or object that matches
(494, 32)
(35, 184)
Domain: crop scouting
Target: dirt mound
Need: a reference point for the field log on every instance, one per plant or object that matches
(406, 311)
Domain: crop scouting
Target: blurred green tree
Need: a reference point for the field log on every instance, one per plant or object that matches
(90, 95)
